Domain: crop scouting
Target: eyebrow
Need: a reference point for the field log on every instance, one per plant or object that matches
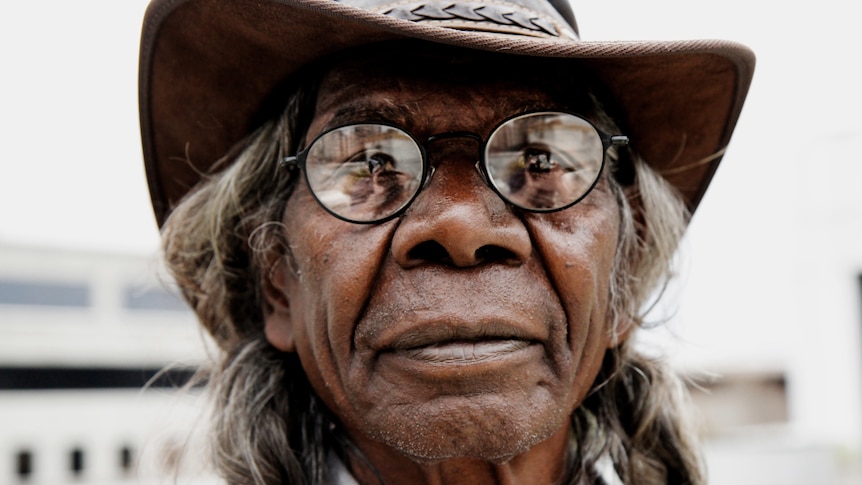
(354, 113)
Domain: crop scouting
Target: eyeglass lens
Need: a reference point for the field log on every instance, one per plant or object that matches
(365, 172)
(538, 161)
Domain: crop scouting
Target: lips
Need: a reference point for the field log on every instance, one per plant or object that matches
(454, 340)
(423, 333)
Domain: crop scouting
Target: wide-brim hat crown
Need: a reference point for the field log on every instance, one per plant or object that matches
(206, 67)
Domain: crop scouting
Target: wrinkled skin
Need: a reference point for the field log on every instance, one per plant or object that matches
(453, 342)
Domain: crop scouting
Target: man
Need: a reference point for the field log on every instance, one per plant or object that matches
(335, 190)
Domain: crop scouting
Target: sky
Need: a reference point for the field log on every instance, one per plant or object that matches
(72, 174)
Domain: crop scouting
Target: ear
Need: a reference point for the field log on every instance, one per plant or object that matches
(278, 325)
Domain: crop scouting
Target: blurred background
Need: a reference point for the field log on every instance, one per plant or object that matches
(765, 317)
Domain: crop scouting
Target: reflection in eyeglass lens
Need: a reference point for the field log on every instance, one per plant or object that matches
(544, 161)
(364, 172)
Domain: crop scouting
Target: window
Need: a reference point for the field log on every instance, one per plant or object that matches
(24, 464)
(44, 293)
(40, 378)
(127, 459)
(76, 461)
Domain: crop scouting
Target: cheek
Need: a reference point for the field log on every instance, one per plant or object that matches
(335, 265)
(578, 246)
(579, 253)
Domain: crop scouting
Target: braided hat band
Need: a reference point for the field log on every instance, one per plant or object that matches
(497, 16)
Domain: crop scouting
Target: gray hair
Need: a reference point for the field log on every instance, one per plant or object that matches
(223, 240)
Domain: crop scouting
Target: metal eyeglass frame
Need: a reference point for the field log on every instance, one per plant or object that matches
(299, 160)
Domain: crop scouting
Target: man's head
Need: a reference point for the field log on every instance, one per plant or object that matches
(464, 327)
(465, 322)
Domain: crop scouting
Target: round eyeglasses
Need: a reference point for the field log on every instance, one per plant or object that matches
(371, 172)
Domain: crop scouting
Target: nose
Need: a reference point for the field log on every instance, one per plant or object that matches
(457, 220)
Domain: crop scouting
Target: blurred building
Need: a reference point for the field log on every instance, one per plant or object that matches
(81, 334)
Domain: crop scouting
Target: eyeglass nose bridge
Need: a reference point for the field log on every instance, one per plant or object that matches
(457, 134)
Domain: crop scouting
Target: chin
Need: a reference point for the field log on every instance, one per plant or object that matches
(495, 431)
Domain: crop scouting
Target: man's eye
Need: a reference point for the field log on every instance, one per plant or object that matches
(366, 164)
(380, 162)
(538, 160)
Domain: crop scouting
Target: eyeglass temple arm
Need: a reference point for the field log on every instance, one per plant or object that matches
(616, 140)
(289, 162)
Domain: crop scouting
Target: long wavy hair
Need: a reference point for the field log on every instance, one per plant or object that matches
(268, 427)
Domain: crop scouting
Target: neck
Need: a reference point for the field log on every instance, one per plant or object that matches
(542, 464)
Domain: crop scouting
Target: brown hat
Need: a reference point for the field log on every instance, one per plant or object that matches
(206, 67)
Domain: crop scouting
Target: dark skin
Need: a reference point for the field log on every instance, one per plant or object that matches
(453, 342)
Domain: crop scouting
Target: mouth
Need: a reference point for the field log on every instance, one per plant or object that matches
(465, 351)
(460, 344)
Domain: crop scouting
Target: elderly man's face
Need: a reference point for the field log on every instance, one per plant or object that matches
(463, 328)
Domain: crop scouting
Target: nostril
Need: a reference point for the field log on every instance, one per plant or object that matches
(494, 253)
(430, 251)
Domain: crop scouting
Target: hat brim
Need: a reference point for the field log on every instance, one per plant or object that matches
(206, 66)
